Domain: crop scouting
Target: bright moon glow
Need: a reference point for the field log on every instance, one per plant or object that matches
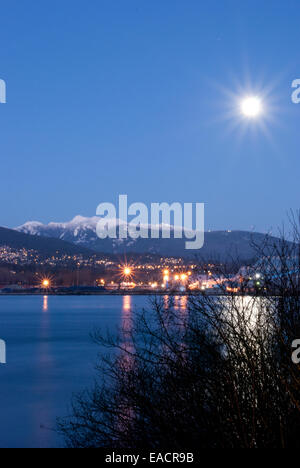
(251, 107)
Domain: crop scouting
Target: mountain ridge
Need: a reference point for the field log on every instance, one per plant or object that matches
(81, 231)
(46, 246)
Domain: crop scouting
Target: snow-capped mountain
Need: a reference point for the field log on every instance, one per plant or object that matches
(79, 230)
(82, 231)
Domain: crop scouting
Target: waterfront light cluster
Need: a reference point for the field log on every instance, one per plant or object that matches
(28, 269)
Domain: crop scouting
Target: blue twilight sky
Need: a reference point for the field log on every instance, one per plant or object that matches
(140, 97)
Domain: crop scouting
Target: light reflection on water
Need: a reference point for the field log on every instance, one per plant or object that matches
(42, 410)
(251, 309)
(49, 357)
(127, 324)
(178, 302)
(45, 304)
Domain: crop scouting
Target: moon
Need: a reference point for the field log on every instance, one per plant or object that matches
(251, 107)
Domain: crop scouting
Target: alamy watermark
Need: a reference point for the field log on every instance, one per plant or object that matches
(183, 220)
(296, 352)
(2, 92)
(296, 93)
(2, 352)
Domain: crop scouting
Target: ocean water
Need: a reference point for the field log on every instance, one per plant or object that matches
(50, 356)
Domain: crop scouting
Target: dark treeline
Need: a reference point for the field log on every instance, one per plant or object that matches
(217, 373)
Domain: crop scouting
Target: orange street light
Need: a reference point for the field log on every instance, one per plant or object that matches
(127, 271)
(46, 283)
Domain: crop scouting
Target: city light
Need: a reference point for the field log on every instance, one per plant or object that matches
(45, 283)
(127, 271)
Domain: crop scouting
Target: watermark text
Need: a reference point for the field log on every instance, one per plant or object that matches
(2, 352)
(163, 220)
(296, 93)
(2, 92)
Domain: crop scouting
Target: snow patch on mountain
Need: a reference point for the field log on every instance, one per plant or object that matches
(31, 227)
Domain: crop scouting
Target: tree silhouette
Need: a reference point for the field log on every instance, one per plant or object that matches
(216, 373)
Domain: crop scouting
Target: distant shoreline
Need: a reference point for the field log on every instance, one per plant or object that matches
(127, 293)
(105, 293)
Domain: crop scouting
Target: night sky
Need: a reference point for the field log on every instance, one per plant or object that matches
(142, 98)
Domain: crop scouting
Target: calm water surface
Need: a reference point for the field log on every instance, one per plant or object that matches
(50, 356)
